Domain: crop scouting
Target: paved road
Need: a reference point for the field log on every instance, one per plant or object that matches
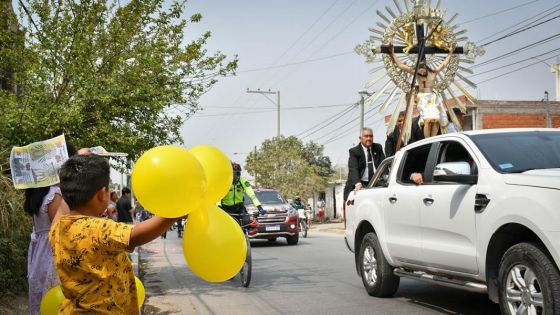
(315, 277)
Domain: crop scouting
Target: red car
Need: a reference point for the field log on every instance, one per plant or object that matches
(281, 219)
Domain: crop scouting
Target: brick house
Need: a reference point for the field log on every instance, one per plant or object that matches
(514, 114)
(491, 114)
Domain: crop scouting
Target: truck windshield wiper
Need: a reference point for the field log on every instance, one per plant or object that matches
(523, 170)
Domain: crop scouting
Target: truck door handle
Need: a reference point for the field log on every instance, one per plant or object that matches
(392, 199)
(428, 201)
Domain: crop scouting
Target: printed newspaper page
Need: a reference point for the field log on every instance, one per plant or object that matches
(37, 164)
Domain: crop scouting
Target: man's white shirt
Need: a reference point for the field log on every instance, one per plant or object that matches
(365, 173)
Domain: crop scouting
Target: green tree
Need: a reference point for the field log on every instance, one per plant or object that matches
(289, 165)
(121, 76)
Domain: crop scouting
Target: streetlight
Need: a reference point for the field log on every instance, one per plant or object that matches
(363, 94)
(264, 93)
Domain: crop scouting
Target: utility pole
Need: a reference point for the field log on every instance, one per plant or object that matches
(547, 107)
(255, 151)
(363, 94)
(263, 93)
(556, 69)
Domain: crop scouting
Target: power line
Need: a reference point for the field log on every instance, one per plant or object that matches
(317, 37)
(525, 20)
(516, 62)
(518, 69)
(297, 63)
(284, 53)
(352, 21)
(307, 30)
(233, 114)
(508, 54)
(520, 31)
(498, 12)
(343, 126)
(329, 121)
(340, 136)
(349, 126)
(266, 110)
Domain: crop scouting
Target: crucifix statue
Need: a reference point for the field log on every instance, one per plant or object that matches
(420, 52)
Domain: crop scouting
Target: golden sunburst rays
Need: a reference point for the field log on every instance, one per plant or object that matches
(398, 5)
(465, 92)
(382, 16)
(375, 96)
(407, 6)
(467, 81)
(375, 80)
(449, 108)
(388, 99)
(389, 83)
(395, 115)
(407, 127)
(376, 69)
(391, 13)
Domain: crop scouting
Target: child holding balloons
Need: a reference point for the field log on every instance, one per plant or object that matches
(89, 251)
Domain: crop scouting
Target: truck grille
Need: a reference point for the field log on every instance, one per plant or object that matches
(278, 219)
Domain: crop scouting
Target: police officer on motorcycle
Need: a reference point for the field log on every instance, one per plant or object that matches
(232, 203)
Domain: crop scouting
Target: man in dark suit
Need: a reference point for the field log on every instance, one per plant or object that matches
(363, 160)
(393, 138)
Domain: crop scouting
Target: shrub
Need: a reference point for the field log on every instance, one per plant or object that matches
(15, 228)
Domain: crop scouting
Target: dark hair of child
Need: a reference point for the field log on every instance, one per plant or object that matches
(81, 177)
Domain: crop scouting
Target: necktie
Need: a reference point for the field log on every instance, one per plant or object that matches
(369, 164)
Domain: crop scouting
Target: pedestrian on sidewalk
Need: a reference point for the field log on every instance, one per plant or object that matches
(42, 204)
(125, 210)
(89, 249)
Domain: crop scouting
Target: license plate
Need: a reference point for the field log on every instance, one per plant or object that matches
(272, 228)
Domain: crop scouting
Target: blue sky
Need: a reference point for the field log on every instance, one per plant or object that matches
(270, 33)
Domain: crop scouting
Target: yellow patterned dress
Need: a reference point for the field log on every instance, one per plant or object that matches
(95, 273)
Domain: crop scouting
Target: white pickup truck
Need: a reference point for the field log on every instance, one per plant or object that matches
(486, 218)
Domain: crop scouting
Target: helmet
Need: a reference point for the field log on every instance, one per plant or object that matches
(236, 169)
(297, 199)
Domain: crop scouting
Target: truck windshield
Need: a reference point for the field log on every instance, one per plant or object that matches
(266, 198)
(519, 152)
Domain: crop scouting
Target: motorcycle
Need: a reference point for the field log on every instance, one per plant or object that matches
(303, 222)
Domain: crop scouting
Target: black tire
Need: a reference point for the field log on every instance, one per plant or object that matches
(245, 273)
(378, 280)
(303, 227)
(292, 240)
(540, 278)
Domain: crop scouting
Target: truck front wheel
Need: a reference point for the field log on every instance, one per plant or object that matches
(529, 282)
(377, 274)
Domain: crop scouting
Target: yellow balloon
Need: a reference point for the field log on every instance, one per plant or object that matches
(214, 244)
(52, 300)
(169, 181)
(141, 292)
(218, 171)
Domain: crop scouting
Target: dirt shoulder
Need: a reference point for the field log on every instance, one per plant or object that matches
(14, 304)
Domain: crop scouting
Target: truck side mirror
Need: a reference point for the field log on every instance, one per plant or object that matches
(456, 172)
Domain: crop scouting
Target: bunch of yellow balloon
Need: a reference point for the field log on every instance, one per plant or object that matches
(213, 244)
(52, 301)
(172, 182)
